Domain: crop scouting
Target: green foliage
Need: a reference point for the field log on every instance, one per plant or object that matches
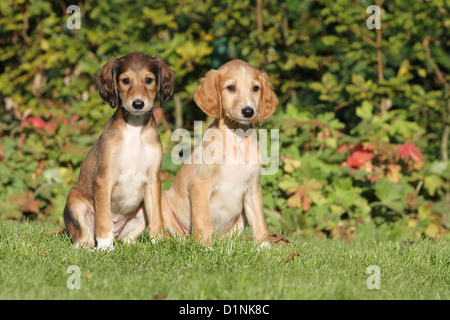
(374, 182)
(364, 114)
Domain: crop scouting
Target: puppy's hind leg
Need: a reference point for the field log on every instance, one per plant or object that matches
(237, 229)
(78, 219)
(171, 224)
(134, 227)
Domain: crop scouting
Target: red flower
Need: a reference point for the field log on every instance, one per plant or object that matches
(358, 158)
(35, 121)
(410, 151)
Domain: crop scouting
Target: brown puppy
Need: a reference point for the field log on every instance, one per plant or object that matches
(219, 191)
(119, 191)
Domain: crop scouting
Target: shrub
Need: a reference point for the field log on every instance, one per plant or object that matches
(364, 114)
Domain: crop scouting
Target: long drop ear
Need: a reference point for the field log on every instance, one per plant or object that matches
(106, 83)
(207, 95)
(166, 81)
(269, 100)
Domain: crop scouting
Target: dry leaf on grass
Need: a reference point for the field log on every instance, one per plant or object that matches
(294, 255)
(57, 231)
(291, 256)
(277, 238)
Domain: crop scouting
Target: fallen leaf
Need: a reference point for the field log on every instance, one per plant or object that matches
(160, 296)
(295, 255)
(291, 256)
(57, 231)
(277, 238)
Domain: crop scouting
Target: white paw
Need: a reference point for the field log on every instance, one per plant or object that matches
(104, 248)
(105, 244)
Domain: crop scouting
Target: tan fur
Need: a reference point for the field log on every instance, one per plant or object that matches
(208, 199)
(119, 191)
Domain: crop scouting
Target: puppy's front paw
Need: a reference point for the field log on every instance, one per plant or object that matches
(156, 237)
(104, 248)
(105, 244)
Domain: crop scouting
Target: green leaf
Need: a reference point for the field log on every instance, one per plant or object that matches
(432, 183)
(288, 184)
(365, 111)
(330, 40)
(393, 195)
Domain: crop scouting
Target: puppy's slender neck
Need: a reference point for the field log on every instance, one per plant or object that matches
(227, 123)
(136, 119)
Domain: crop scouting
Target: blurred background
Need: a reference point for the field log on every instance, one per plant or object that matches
(364, 114)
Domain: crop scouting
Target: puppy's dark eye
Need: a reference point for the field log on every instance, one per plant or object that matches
(126, 80)
(231, 88)
(255, 89)
(148, 80)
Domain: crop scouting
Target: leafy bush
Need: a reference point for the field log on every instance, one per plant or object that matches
(351, 186)
(364, 114)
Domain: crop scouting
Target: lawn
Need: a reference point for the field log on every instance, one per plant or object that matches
(35, 266)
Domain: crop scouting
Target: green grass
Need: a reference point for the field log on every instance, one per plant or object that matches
(34, 266)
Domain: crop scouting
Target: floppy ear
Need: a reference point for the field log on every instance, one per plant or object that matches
(269, 100)
(106, 83)
(207, 96)
(166, 81)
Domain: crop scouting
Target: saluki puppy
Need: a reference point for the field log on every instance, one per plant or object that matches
(219, 191)
(119, 190)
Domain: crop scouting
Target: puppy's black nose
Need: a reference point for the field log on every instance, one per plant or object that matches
(248, 112)
(138, 104)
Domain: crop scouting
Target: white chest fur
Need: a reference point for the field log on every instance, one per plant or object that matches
(229, 190)
(135, 159)
(135, 155)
